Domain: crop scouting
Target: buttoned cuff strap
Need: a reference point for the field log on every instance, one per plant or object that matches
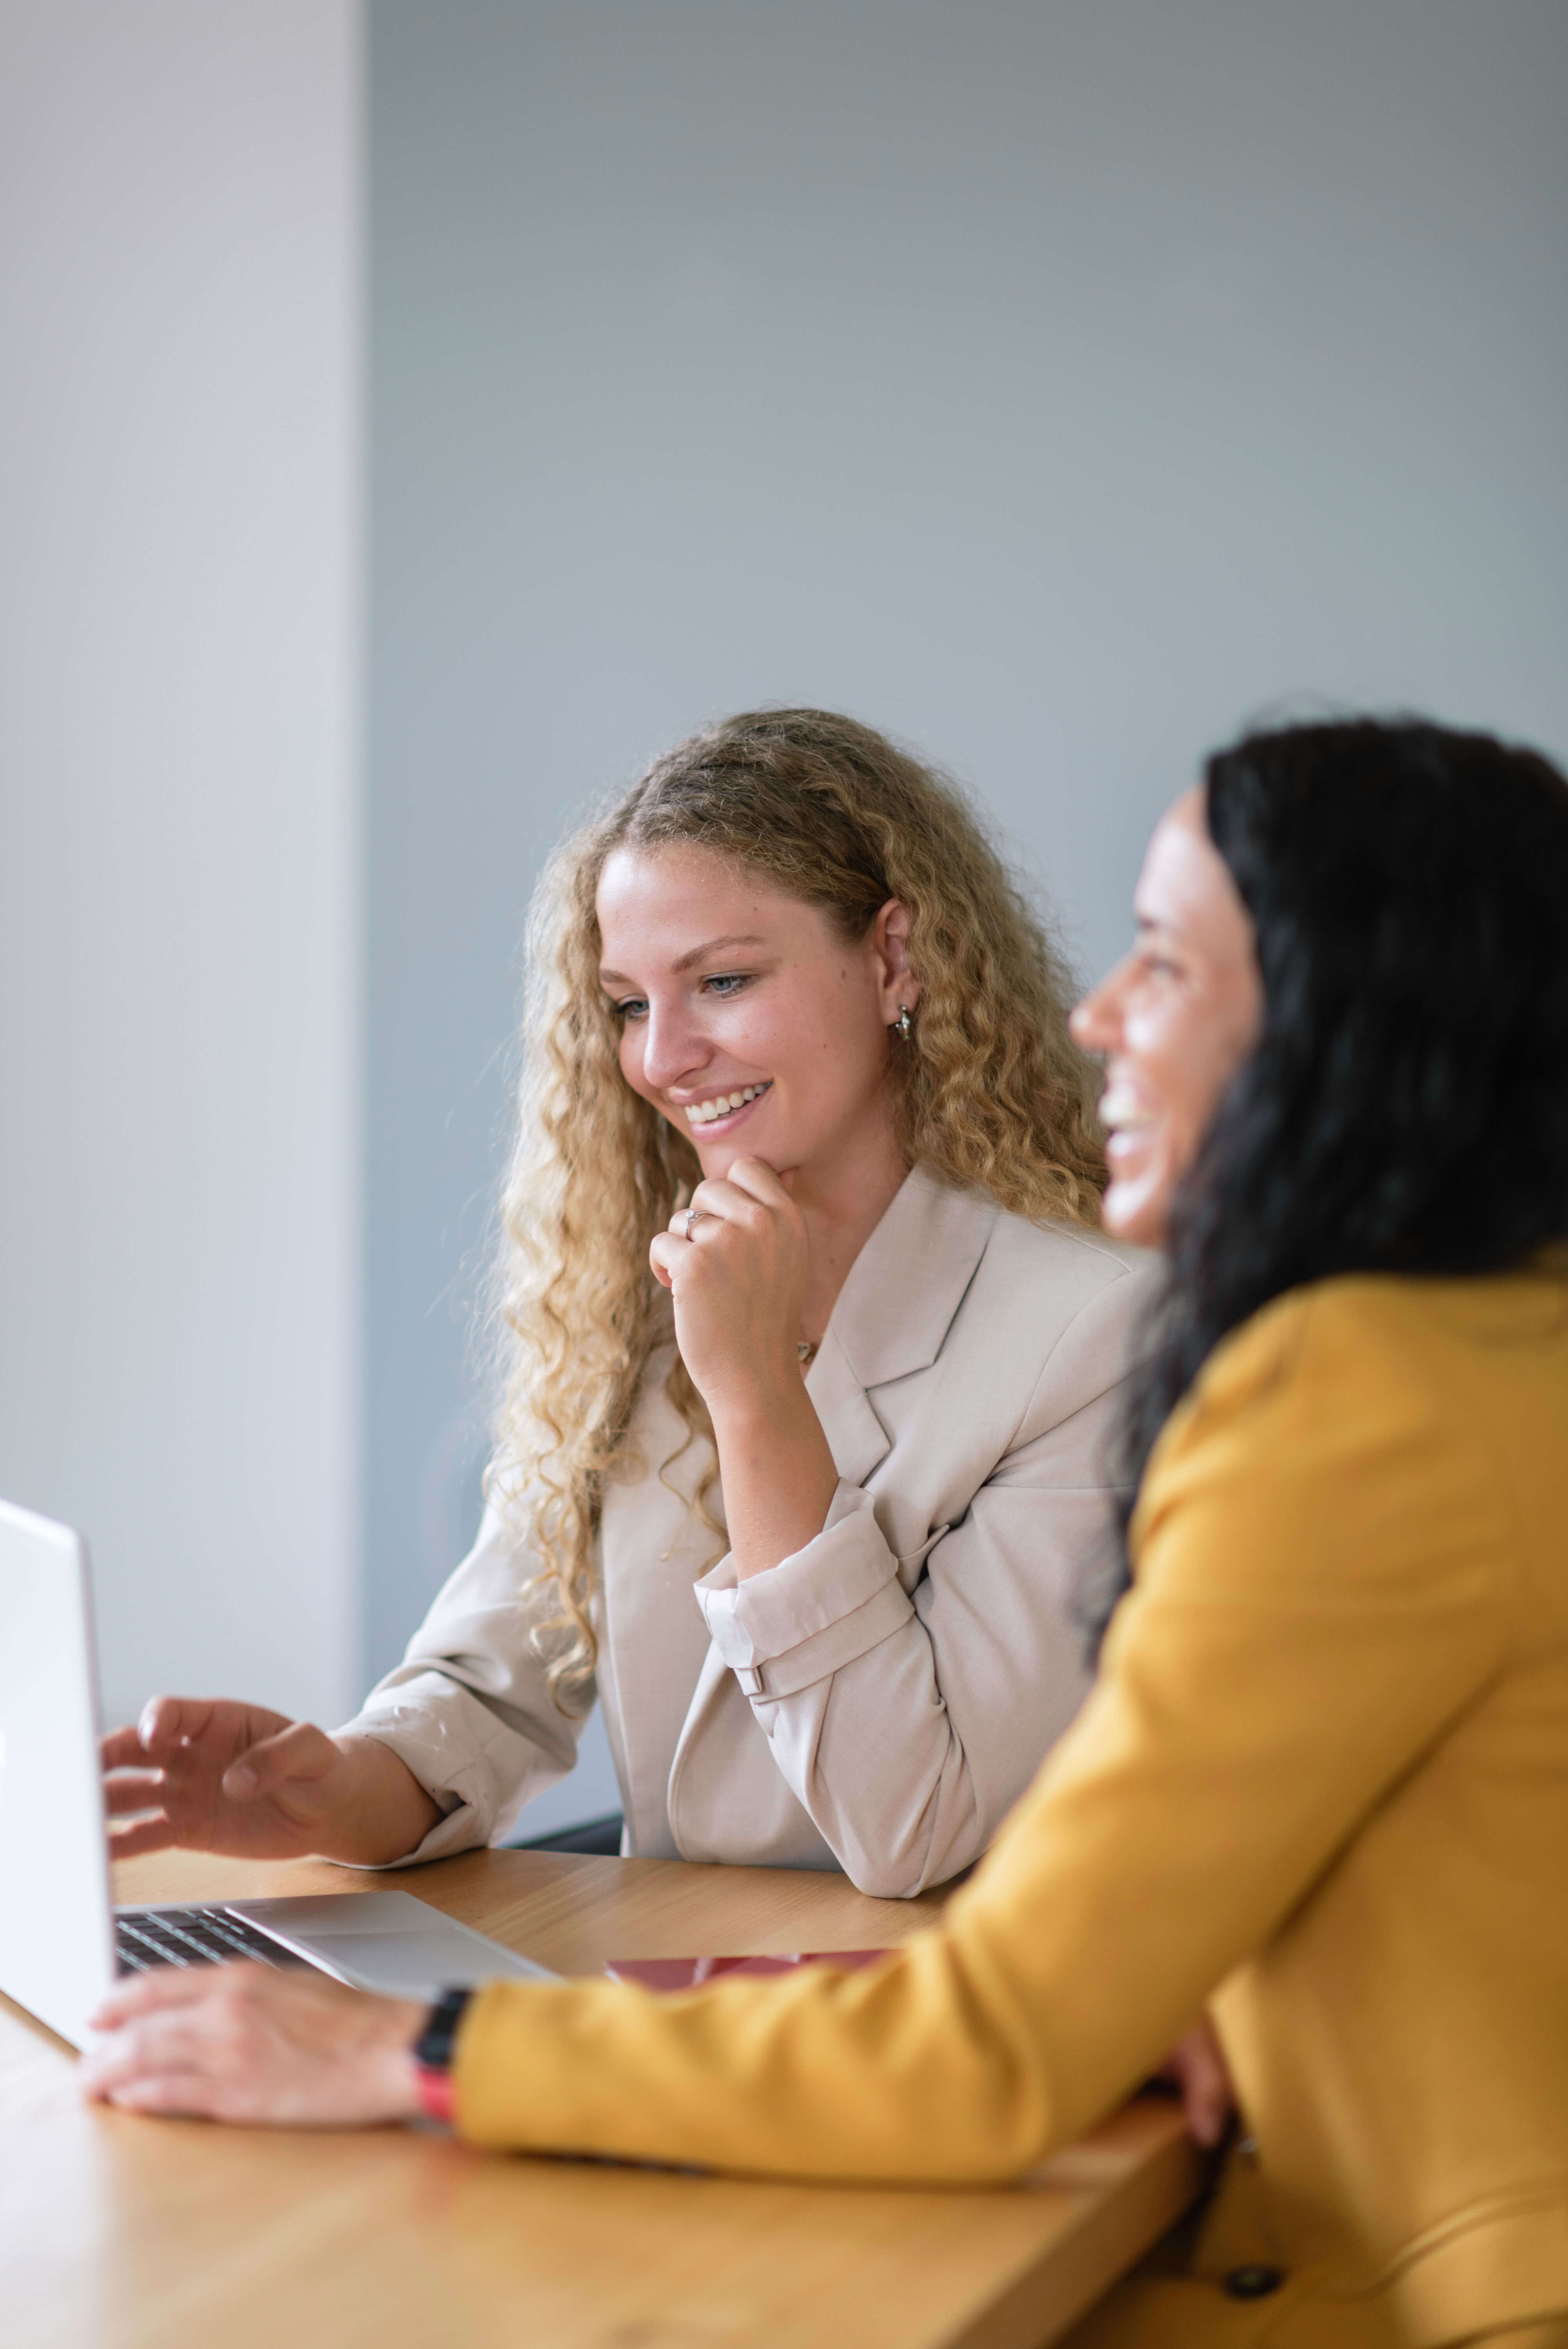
(814, 1614)
(829, 1650)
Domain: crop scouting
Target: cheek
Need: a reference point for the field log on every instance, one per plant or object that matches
(1211, 1059)
(784, 1033)
(1150, 1042)
(838, 1040)
(629, 1052)
(1171, 1050)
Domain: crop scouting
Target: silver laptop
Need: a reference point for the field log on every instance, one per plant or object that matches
(62, 1942)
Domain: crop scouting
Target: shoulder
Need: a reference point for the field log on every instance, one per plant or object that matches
(1354, 1346)
(1054, 1280)
(1334, 1407)
(1069, 1257)
(1066, 1305)
(1393, 1358)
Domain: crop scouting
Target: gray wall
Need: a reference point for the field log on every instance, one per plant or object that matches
(1053, 384)
(180, 892)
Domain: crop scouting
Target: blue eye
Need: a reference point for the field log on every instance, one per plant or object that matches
(633, 1007)
(728, 982)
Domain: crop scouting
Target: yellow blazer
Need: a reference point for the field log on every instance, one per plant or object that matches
(1323, 1780)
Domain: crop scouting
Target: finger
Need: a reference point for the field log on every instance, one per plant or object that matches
(167, 1721)
(758, 1181)
(127, 2007)
(671, 1253)
(155, 1833)
(714, 1200)
(185, 2095)
(296, 1758)
(1206, 2101)
(160, 2043)
(1205, 2089)
(661, 1256)
(164, 1987)
(719, 1195)
(136, 2067)
(133, 1790)
(118, 1746)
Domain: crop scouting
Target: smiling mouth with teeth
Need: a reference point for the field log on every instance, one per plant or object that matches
(708, 1112)
(1123, 1111)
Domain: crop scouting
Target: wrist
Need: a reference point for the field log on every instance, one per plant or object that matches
(758, 1410)
(378, 1812)
(431, 2052)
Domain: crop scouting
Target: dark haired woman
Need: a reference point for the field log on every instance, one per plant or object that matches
(1324, 1777)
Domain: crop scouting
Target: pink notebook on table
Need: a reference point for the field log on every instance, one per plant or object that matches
(686, 1974)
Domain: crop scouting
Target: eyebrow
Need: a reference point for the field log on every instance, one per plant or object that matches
(696, 954)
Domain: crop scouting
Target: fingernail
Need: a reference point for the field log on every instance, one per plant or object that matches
(240, 1780)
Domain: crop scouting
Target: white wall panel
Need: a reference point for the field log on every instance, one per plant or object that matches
(180, 880)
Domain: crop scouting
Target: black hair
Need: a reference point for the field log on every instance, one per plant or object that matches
(1406, 1107)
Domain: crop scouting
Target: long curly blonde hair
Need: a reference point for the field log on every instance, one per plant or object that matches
(991, 1092)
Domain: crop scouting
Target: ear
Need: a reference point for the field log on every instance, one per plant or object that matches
(899, 987)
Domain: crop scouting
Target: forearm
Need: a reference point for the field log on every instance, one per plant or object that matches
(1197, 1800)
(778, 1476)
(906, 1725)
(892, 2072)
(382, 1812)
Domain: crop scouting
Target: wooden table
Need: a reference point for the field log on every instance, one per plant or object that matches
(125, 2233)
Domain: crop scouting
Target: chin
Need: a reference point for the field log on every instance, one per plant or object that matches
(717, 1158)
(1135, 1208)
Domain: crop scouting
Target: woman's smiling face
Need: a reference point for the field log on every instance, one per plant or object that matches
(1175, 1019)
(746, 1019)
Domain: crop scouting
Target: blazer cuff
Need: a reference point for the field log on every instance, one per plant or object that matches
(463, 1785)
(815, 1612)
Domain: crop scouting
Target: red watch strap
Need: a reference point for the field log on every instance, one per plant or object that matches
(433, 2051)
(436, 2095)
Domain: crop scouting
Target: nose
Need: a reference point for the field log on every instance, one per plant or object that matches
(673, 1046)
(1096, 1022)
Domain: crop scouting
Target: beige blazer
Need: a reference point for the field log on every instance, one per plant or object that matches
(878, 1701)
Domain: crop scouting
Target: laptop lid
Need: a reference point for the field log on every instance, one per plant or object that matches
(56, 1931)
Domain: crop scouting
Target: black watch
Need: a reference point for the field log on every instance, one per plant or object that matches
(433, 2047)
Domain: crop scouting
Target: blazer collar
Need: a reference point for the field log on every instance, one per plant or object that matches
(895, 1311)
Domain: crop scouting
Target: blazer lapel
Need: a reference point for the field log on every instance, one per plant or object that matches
(895, 1311)
(856, 1436)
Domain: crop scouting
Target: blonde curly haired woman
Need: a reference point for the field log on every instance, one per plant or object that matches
(811, 1509)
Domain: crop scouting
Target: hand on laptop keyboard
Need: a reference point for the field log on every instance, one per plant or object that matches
(212, 1776)
(246, 2044)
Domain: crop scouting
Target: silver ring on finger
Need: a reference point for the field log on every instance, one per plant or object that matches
(693, 1215)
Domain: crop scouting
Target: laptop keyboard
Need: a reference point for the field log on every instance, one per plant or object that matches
(190, 1937)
